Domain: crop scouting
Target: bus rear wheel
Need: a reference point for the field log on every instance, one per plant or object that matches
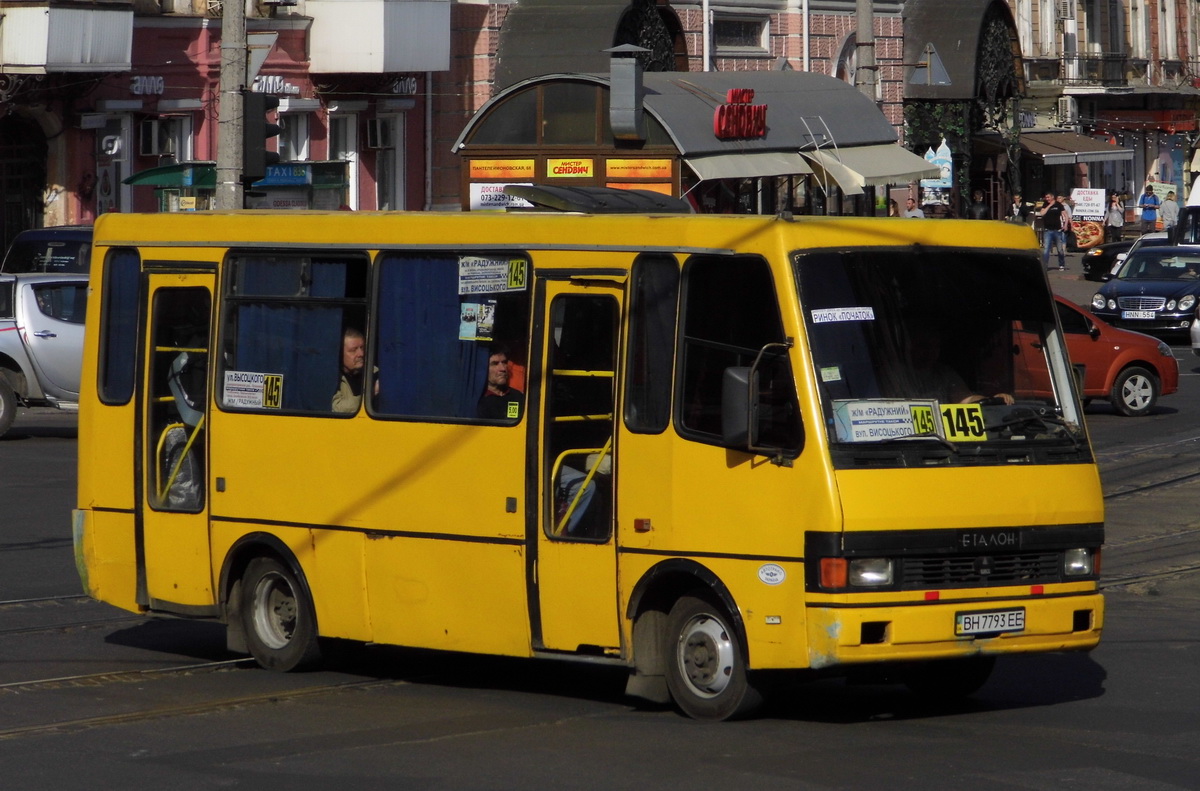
(278, 617)
(706, 666)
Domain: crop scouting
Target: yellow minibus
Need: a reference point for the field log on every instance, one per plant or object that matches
(703, 448)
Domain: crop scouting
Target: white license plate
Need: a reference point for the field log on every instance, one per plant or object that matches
(1137, 314)
(966, 623)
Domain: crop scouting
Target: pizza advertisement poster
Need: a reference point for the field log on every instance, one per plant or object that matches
(1087, 216)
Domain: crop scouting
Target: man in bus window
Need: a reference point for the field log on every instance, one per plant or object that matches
(349, 393)
(499, 401)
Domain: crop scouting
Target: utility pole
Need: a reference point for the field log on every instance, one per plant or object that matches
(864, 67)
(230, 194)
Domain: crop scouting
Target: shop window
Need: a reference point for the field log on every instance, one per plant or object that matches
(513, 122)
(729, 314)
(293, 137)
(569, 114)
(653, 298)
(740, 35)
(443, 319)
(119, 325)
(287, 321)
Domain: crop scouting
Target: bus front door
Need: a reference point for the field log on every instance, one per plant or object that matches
(575, 574)
(173, 548)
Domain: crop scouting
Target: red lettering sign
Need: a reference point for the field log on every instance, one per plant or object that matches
(739, 116)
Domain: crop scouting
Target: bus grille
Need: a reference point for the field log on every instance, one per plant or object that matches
(959, 571)
(1142, 303)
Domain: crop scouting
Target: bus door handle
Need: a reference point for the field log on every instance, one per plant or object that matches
(45, 334)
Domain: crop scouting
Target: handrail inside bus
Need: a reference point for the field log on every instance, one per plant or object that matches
(591, 473)
(162, 493)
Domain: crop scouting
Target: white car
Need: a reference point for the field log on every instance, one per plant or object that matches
(41, 342)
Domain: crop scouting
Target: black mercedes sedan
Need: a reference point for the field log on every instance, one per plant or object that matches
(1155, 291)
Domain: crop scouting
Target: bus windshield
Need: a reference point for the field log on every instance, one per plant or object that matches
(954, 347)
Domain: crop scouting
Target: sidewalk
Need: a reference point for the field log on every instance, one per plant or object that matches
(1070, 284)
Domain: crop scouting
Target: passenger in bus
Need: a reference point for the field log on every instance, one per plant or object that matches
(349, 393)
(499, 401)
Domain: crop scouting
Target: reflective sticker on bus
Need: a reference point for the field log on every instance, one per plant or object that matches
(827, 315)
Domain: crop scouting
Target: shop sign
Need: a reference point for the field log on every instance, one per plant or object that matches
(491, 196)
(284, 176)
(274, 84)
(662, 189)
(569, 168)
(502, 169)
(638, 168)
(739, 117)
(405, 86)
(147, 85)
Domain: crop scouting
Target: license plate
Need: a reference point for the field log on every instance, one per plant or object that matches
(1137, 314)
(967, 623)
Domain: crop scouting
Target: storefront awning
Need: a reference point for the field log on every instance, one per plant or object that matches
(1055, 147)
(749, 165)
(195, 175)
(870, 166)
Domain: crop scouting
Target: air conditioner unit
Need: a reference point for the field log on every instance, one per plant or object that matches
(155, 139)
(1066, 9)
(1068, 111)
(379, 133)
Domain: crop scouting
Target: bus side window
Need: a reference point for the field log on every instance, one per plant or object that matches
(729, 313)
(440, 318)
(119, 326)
(285, 319)
(653, 301)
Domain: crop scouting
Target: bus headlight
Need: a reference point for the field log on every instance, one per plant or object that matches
(1078, 563)
(870, 572)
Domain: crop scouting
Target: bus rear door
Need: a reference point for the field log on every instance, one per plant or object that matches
(575, 572)
(173, 546)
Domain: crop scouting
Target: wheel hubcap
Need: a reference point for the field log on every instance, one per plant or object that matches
(706, 655)
(274, 611)
(1137, 392)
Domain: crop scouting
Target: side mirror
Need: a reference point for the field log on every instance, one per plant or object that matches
(739, 407)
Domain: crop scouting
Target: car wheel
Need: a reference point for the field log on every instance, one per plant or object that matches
(278, 617)
(1135, 392)
(706, 667)
(8, 406)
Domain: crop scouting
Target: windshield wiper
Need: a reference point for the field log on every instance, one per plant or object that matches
(1022, 416)
(917, 435)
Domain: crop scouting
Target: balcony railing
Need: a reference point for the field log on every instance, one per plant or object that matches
(1111, 69)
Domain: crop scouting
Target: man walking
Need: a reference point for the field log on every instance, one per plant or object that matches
(1053, 216)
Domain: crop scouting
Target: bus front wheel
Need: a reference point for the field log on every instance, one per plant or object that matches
(706, 666)
(278, 617)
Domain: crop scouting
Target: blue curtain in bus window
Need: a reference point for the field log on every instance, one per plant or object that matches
(301, 342)
(424, 369)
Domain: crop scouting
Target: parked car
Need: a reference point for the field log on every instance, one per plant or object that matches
(64, 250)
(1128, 369)
(1098, 261)
(1154, 291)
(41, 342)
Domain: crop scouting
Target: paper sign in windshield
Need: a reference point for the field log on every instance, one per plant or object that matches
(878, 420)
(827, 315)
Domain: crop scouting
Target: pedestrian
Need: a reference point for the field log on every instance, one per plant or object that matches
(893, 208)
(1149, 204)
(1053, 215)
(1018, 210)
(1068, 228)
(978, 210)
(1170, 212)
(1114, 219)
(911, 209)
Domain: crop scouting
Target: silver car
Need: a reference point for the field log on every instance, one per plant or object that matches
(41, 342)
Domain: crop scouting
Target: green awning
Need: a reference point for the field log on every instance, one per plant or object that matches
(182, 175)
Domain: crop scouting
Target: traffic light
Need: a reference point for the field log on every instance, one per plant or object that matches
(255, 134)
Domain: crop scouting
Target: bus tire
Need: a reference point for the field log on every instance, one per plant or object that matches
(948, 680)
(8, 405)
(706, 665)
(278, 617)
